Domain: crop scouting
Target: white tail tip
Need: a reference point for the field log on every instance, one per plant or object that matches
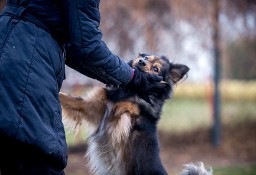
(196, 169)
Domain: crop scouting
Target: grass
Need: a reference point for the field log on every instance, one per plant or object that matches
(236, 170)
(238, 111)
(181, 114)
(77, 137)
(230, 90)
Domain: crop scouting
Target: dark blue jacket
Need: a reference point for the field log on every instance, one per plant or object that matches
(33, 35)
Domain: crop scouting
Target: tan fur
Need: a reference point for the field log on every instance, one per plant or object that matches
(121, 121)
(125, 107)
(151, 58)
(91, 109)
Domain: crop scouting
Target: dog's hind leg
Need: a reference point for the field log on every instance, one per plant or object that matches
(90, 108)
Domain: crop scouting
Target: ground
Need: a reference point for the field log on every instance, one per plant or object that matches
(238, 147)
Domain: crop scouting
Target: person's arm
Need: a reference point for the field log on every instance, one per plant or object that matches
(86, 51)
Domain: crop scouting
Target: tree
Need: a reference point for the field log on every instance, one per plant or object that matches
(241, 59)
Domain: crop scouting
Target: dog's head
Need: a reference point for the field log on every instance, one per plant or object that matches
(160, 65)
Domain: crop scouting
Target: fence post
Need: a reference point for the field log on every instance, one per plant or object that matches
(217, 69)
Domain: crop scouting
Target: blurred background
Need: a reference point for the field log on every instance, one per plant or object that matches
(212, 117)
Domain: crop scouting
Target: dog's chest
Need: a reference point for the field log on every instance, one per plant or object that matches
(105, 158)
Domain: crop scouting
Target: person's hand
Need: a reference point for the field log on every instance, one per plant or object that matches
(143, 82)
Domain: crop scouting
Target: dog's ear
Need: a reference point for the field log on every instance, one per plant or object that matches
(178, 71)
(142, 55)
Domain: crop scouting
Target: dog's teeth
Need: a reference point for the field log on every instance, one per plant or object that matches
(163, 82)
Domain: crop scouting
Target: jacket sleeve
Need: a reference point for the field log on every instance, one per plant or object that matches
(85, 50)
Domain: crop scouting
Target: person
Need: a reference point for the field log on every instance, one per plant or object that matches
(36, 36)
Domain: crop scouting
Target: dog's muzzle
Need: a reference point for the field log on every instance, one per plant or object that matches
(141, 63)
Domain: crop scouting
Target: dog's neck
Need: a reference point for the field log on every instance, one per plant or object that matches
(154, 103)
(116, 94)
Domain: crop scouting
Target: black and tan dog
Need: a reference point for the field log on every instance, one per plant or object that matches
(124, 140)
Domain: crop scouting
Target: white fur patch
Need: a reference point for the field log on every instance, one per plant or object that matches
(107, 157)
(196, 169)
(104, 159)
(120, 132)
(96, 163)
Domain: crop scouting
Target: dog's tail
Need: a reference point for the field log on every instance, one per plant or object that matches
(196, 169)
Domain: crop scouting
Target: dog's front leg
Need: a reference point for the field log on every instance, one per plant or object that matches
(90, 108)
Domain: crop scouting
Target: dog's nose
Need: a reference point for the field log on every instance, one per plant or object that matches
(142, 63)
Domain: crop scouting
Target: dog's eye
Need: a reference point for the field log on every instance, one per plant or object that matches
(145, 58)
(155, 69)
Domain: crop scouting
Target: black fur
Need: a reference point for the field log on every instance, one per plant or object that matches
(138, 152)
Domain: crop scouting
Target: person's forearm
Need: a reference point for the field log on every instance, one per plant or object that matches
(101, 65)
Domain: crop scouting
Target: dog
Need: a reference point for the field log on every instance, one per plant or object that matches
(123, 139)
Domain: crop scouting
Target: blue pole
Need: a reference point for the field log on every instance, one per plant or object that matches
(217, 69)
